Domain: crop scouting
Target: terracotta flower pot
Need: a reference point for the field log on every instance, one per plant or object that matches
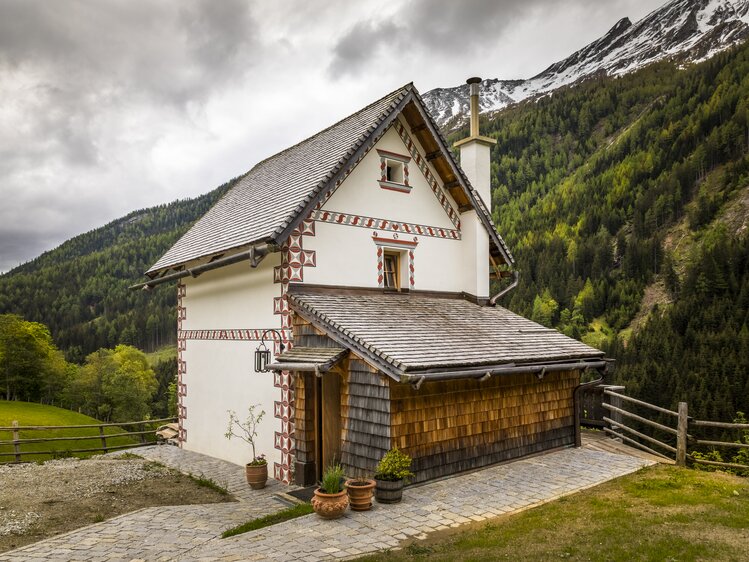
(389, 491)
(330, 506)
(257, 475)
(360, 493)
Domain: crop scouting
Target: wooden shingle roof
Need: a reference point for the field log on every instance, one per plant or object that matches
(271, 199)
(412, 333)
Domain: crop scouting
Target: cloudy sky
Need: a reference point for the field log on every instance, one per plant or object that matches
(109, 106)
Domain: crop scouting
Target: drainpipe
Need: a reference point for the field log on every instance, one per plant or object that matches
(577, 394)
(503, 292)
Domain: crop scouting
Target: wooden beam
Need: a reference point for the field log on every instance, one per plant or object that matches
(433, 155)
(452, 184)
(419, 127)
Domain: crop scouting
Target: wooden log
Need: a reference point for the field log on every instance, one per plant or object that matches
(723, 464)
(722, 443)
(89, 426)
(682, 435)
(726, 425)
(16, 441)
(635, 443)
(640, 402)
(640, 419)
(640, 435)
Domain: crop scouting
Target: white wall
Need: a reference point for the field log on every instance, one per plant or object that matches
(220, 374)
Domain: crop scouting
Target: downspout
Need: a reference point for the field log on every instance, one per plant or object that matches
(576, 394)
(515, 279)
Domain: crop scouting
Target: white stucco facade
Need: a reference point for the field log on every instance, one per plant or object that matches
(340, 244)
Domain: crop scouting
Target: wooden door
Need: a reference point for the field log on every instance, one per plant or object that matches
(329, 422)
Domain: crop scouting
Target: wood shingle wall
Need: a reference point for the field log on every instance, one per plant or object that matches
(452, 426)
(365, 409)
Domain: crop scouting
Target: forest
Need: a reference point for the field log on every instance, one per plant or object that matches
(623, 199)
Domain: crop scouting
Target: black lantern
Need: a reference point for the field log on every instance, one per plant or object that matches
(262, 353)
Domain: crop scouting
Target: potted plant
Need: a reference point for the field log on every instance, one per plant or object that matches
(330, 499)
(360, 492)
(256, 470)
(392, 471)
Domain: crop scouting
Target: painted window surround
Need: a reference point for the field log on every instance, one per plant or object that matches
(386, 158)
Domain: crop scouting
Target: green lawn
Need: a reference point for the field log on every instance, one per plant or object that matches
(161, 354)
(27, 413)
(660, 513)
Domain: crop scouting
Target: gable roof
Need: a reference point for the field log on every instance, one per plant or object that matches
(412, 334)
(268, 202)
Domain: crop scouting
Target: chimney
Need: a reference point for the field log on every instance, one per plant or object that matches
(475, 159)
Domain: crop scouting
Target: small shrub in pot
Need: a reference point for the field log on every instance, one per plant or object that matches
(392, 472)
(256, 470)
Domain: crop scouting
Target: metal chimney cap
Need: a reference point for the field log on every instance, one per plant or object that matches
(474, 80)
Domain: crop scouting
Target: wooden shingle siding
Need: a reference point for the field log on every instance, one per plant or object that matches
(452, 426)
(304, 417)
(365, 409)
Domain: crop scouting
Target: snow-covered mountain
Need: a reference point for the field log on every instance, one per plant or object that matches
(687, 30)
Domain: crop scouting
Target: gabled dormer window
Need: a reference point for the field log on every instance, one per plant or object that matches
(394, 171)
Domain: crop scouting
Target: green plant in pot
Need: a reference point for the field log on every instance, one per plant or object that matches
(391, 474)
(256, 470)
(330, 500)
(360, 492)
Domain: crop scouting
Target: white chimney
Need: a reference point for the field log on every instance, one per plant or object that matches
(475, 159)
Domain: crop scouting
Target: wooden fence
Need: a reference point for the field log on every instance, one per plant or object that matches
(17, 443)
(676, 427)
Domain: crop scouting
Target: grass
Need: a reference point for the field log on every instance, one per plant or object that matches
(660, 513)
(289, 513)
(210, 484)
(161, 354)
(28, 413)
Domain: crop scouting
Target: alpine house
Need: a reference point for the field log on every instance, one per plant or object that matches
(362, 257)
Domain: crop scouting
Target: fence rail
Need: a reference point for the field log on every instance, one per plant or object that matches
(613, 401)
(101, 436)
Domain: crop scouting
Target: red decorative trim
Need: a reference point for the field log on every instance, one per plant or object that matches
(244, 334)
(392, 186)
(181, 365)
(393, 155)
(380, 241)
(334, 217)
(421, 163)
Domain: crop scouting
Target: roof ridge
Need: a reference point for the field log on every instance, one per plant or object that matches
(405, 87)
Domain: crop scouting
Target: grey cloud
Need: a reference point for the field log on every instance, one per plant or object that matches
(441, 28)
(78, 77)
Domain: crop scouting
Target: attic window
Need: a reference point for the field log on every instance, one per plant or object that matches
(394, 171)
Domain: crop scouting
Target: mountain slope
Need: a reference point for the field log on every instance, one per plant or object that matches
(685, 30)
(79, 289)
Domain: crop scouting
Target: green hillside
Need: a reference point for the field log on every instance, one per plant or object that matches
(80, 289)
(620, 197)
(625, 201)
(30, 414)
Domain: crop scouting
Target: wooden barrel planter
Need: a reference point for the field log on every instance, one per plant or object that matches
(257, 475)
(360, 494)
(389, 491)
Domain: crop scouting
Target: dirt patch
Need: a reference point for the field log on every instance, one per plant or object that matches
(38, 501)
(654, 294)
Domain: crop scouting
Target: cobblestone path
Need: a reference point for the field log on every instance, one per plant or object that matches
(433, 506)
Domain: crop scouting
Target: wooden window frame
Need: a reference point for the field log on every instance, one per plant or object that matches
(392, 256)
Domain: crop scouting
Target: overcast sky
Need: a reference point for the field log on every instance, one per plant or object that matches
(110, 106)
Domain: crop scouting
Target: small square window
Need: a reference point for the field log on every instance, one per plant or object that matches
(391, 270)
(394, 171)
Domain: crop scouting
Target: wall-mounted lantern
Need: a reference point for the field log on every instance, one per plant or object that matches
(262, 353)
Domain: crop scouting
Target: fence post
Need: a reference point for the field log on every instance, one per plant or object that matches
(681, 436)
(16, 444)
(103, 438)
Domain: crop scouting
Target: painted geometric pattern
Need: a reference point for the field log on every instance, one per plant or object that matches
(421, 162)
(294, 258)
(335, 217)
(245, 334)
(381, 244)
(181, 365)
